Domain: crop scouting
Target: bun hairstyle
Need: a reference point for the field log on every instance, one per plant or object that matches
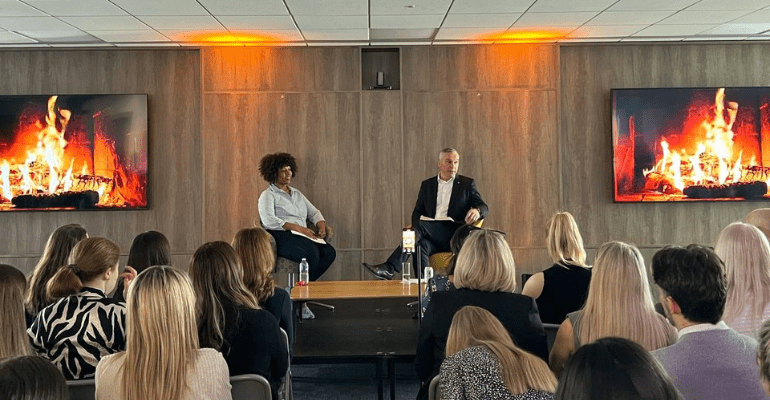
(90, 258)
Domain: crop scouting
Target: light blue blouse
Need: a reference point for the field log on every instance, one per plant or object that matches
(277, 207)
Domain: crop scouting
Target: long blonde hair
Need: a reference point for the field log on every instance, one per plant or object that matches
(258, 259)
(475, 326)
(619, 302)
(14, 340)
(162, 336)
(745, 251)
(563, 240)
(485, 263)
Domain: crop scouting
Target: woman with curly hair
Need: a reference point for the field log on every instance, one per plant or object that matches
(284, 210)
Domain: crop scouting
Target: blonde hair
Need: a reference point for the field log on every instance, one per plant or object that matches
(563, 240)
(162, 336)
(14, 340)
(745, 251)
(90, 258)
(619, 302)
(485, 263)
(258, 259)
(475, 326)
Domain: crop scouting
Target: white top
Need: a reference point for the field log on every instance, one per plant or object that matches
(721, 325)
(208, 379)
(442, 197)
(745, 323)
(277, 207)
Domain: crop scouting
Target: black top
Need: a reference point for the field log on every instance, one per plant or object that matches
(280, 306)
(564, 291)
(517, 313)
(254, 345)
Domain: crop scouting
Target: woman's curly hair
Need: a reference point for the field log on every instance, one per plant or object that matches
(271, 163)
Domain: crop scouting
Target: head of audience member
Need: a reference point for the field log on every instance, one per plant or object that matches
(614, 369)
(761, 219)
(31, 378)
(692, 284)
(254, 248)
(745, 252)
(57, 251)
(456, 243)
(273, 168)
(619, 302)
(13, 340)
(160, 315)
(448, 163)
(563, 240)
(149, 249)
(217, 277)
(485, 263)
(763, 355)
(475, 326)
(93, 263)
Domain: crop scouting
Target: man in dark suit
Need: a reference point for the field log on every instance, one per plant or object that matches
(445, 202)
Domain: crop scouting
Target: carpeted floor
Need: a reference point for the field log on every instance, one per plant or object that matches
(350, 382)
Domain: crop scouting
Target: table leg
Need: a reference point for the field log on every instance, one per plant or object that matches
(392, 376)
(379, 379)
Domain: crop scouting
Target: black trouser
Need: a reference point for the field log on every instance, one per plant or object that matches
(294, 247)
(432, 237)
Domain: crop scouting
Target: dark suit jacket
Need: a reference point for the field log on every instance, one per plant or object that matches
(517, 313)
(464, 197)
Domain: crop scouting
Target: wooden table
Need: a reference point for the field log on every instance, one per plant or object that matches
(370, 322)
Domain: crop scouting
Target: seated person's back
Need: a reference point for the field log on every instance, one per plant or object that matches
(564, 291)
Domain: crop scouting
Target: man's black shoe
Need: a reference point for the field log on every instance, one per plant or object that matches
(381, 271)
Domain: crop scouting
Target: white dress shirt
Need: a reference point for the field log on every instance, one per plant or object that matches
(277, 207)
(703, 327)
(443, 196)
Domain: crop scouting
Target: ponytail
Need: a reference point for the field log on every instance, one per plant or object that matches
(65, 282)
(90, 258)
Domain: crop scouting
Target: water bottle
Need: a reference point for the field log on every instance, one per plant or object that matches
(304, 272)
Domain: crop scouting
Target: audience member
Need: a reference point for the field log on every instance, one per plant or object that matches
(614, 369)
(710, 360)
(482, 362)
(148, 249)
(13, 340)
(485, 277)
(562, 288)
(230, 319)
(162, 359)
(763, 356)
(31, 378)
(57, 251)
(619, 304)
(745, 252)
(761, 219)
(258, 257)
(84, 325)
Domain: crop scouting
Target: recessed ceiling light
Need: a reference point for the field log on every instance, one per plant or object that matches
(410, 6)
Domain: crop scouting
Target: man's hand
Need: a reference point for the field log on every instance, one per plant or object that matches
(472, 216)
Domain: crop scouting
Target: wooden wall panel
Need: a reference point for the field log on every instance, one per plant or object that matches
(587, 75)
(171, 78)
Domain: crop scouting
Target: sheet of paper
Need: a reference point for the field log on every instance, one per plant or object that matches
(424, 218)
(317, 240)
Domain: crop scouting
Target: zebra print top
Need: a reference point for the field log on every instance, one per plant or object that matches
(77, 331)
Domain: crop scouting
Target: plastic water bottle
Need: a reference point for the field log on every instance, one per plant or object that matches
(304, 272)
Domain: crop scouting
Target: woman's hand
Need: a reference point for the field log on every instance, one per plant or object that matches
(321, 225)
(128, 275)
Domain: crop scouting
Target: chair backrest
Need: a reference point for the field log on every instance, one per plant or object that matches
(250, 387)
(550, 331)
(434, 391)
(285, 390)
(84, 389)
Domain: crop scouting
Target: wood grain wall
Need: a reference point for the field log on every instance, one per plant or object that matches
(171, 78)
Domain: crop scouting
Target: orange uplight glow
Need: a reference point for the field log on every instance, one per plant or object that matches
(522, 36)
(228, 38)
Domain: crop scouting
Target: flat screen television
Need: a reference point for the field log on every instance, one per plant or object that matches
(691, 144)
(73, 152)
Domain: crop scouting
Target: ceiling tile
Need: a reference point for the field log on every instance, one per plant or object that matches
(688, 17)
(68, 36)
(717, 5)
(99, 44)
(181, 22)
(546, 30)
(242, 35)
(405, 21)
(466, 33)
(393, 34)
(626, 17)
(569, 40)
(336, 34)
(570, 5)
(257, 22)
(489, 6)
(332, 22)
(713, 38)
(738, 29)
(105, 23)
(60, 8)
(651, 5)
(164, 7)
(149, 45)
(673, 30)
(346, 43)
(653, 39)
(13, 8)
(146, 35)
(245, 7)
(10, 37)
(606, 30)
(328, 7)
(402, 43)
(480, 20)
(39, 24)
(288, 35)
(401, 7)
(757, 17)
(532, 19)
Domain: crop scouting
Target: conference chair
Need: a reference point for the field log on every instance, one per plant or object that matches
(439, 261)
(550, 331)
(83, 389)
(285, 391)
(434, 390)
(250, 387)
